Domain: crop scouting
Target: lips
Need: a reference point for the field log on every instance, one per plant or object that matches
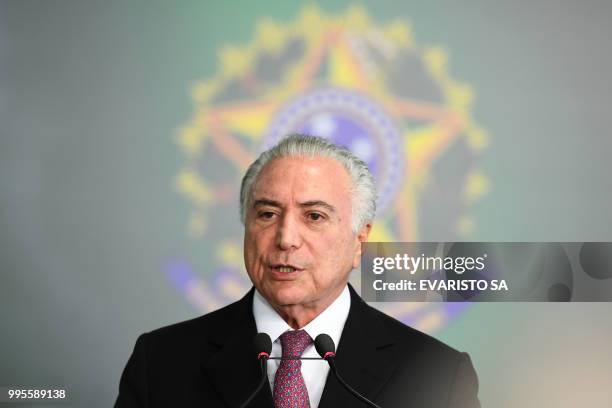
(285, 268)
(285, 271)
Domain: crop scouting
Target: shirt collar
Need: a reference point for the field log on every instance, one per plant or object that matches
(330, 321)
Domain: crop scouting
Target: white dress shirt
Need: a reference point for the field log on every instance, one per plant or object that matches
(330, 321)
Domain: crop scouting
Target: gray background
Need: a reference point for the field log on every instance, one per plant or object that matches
(91, 95)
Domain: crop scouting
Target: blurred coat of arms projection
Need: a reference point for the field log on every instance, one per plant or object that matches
(364, 85)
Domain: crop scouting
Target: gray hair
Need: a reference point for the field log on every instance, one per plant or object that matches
(364, 191)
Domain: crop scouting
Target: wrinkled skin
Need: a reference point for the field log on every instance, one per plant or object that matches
(299, 247)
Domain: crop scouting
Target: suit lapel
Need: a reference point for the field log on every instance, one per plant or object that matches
(365, 357)
(234, 370)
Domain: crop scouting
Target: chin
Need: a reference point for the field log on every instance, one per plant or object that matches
(285, 295)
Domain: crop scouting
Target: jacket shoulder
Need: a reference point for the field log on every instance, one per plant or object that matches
(439, 375)
(409, 337)
(200, 329)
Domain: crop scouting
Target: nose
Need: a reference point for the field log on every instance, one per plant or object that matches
(288, 235)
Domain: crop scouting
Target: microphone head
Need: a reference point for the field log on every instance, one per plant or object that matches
(325, 346)
(262, 345)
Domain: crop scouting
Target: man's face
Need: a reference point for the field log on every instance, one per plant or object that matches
(298, 244)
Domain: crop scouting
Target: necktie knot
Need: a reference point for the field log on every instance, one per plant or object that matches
(294, 342)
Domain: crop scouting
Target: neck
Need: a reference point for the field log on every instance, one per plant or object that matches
(299, 315)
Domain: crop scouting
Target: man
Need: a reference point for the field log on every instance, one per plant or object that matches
(307, 205)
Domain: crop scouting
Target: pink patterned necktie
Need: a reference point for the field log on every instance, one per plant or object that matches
(289, 386)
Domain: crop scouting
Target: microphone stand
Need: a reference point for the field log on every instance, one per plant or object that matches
(324, 346)
(332, 366)
(295, 358)
(263, 360)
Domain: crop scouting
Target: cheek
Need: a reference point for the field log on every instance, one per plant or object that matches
(255, 246)
(250, 249)
(335, 257)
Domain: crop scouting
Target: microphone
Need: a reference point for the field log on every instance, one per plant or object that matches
(262, 346)
(327, 350)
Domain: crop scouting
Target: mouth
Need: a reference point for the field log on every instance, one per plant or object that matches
(285, 268)
(285, 271)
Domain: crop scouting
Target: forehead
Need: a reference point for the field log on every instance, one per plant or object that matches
(304, 178)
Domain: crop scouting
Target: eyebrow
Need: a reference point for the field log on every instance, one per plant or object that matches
(318, 203)
(305, 204)
(266, 201)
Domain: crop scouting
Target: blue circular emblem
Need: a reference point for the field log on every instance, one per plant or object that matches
(352, 120)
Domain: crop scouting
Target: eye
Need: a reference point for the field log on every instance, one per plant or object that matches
(266, 215)
(314, 216)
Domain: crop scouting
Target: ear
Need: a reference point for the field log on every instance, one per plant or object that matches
(361, 237)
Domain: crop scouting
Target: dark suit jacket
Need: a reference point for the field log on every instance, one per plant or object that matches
(209, 362)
